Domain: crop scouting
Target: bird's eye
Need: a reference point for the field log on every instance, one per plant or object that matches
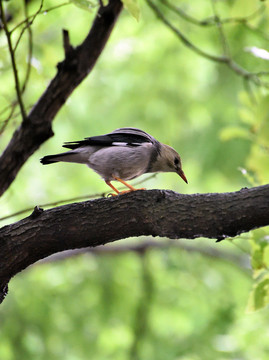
(176, 161)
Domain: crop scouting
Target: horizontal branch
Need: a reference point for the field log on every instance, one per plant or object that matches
(147, 245)
(36, 128)
(155, 212)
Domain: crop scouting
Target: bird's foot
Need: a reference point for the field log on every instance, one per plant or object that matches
(128, 191)
(124, 192)
(112, 194)
(141, 189)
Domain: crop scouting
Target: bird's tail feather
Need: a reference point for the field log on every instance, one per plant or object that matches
(50, 159)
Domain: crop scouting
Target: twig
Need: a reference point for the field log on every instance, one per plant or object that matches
(182, 37)
(31, 18)
(28, 70)
(219, 59)
(262, 73)
(26, 21)
(223, 39)
(212, 20)
(13, 61)
(54, 203)
(6, 121)
(149, 244)
(68, 48)
(30, 45)
(250, 92)
(70, 200)
(12, 115)
(184, 15)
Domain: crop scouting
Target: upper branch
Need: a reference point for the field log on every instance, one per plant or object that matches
(225, 59)
(155, 212)
(13, 61)
(37, 126)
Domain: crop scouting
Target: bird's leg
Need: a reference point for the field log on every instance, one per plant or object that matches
(127, 185)
(112, 187)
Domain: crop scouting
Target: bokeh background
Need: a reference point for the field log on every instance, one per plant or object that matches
(138, 299)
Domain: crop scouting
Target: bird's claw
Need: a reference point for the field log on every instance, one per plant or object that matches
(111, 194)
(124, 192)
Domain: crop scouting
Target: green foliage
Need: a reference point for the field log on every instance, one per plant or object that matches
(259, 296)
(166, 304)
(132, 7)
(232, 132)
(85, 4)
(254, 118)
(158, 305)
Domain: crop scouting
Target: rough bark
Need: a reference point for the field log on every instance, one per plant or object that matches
(78, 62)
(156, 212)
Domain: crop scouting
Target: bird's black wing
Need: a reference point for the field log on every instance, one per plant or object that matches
(119, 137)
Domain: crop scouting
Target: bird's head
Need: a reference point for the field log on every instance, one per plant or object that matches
(169, 161)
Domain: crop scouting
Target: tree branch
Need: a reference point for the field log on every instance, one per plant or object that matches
(211, 21)
(13, 61)
(226, 60)
(156, 212)
(36, 128)
(242, 261)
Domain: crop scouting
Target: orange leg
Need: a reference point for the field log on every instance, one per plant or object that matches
(113, 187)
(124, 183)
(127, 185)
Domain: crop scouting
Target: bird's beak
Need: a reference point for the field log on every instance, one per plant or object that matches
(182, 175)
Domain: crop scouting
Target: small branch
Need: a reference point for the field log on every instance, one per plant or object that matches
(148, 245)
(177, 10)
(12, 108)
(13, 62)
(54, 203)
(212, 20)
(182, 37)
(68, 48)
(73, 199)
(31, 18)
(223, 40)
(219, 59)
(30, 46)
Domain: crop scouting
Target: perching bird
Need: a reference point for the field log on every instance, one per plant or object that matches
(121, 155)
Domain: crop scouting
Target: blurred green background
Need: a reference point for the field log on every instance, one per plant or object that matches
(188, 300)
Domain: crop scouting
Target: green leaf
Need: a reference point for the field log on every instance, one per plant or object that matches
(266, 256)
(132, 7)
(232, 132)
(87, 5)
(259, 296)
(260, 249)
(247, 116)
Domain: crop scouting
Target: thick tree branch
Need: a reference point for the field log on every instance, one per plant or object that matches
(36, 128)
(155, 212)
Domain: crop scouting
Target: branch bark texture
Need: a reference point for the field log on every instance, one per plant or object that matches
(155, 212)
(36, 127)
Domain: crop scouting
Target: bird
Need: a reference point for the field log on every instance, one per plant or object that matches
(122, 155)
